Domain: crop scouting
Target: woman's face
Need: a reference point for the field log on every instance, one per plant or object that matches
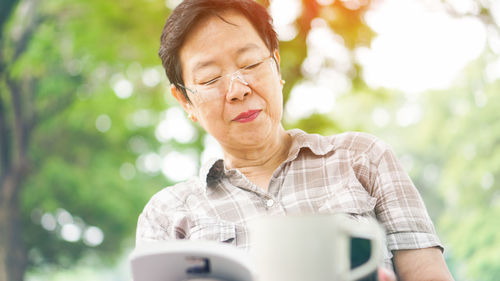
(243, 109)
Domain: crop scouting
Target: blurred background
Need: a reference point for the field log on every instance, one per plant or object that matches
(89, 130)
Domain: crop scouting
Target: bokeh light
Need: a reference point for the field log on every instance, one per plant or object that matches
(171, 4)
(122, 87)
(381, 117)
(308, 98)
(103, 123)
(63, 217)
(143, 118)
(211, 149)
(487, 181)
(284, 13)
(175, 126)
(149, 163)
(93, 236)
(179, 166)
(127, 171)
(71, 232)
(138, 144)
(409, 114)
(151, 77)
(48, 222)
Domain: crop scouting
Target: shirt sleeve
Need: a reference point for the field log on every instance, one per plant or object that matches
(400, 207)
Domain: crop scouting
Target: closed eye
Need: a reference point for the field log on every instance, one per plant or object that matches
(252, 66)
(211, 81)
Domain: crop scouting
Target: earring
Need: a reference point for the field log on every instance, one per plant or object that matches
(282, 82)
(191, 117)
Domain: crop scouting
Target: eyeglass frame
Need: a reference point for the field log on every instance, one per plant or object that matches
(237, 73)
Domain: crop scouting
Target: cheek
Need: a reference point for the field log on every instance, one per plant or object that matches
(210, 114)
(275, 99)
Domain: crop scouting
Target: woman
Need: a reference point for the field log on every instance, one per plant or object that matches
(222, 59)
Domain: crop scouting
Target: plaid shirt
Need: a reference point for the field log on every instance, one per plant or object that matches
(352, 173)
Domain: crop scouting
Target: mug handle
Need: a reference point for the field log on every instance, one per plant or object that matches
(372, 231)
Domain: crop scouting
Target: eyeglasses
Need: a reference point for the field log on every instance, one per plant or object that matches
(219, 86)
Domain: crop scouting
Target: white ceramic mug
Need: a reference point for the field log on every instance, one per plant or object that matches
(313, 248)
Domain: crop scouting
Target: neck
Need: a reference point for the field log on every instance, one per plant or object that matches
(259, 163)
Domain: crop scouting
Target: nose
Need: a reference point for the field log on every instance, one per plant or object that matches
(235, 90)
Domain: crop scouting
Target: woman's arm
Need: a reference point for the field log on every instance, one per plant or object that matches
(421, 264)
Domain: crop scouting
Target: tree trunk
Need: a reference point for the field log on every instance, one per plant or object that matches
(13, 257)
(13, 170)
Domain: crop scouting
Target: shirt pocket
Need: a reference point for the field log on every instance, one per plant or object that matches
(350, 198)
(214, 230)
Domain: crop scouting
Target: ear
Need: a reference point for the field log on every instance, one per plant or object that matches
(276, 54)
(186, 105)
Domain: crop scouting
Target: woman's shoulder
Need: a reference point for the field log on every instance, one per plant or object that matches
(359, 141)
(353, 143)
(360, 144)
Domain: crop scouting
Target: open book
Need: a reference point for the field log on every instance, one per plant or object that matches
(180, 260)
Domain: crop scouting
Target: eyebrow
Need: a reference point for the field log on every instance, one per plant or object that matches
(244, 49)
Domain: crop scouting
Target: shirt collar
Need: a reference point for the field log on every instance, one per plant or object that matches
(318, 144)
(214, 169)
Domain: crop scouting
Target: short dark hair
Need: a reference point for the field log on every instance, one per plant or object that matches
(188, 13)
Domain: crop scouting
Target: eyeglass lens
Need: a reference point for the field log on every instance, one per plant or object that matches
(224, 85)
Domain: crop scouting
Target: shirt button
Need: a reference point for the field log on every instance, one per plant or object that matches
(270, 203)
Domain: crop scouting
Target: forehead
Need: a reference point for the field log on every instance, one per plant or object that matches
(213, 38)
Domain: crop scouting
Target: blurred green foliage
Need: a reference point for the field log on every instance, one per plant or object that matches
(80, 47)
(455, 152)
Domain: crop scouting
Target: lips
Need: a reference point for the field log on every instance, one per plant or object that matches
(248, 116)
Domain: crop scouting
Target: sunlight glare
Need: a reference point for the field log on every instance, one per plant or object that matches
(325, 2)
(495, 11)
(415, 55)
(178, 167)
(325, 48)
(381, 117)
(464, 7)
(308, 98)
(353, 4)
(408, 115)
(211, 149)
(284, 14)
(175, 125)
(492, 71)
(494, 39)
(171, 4)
